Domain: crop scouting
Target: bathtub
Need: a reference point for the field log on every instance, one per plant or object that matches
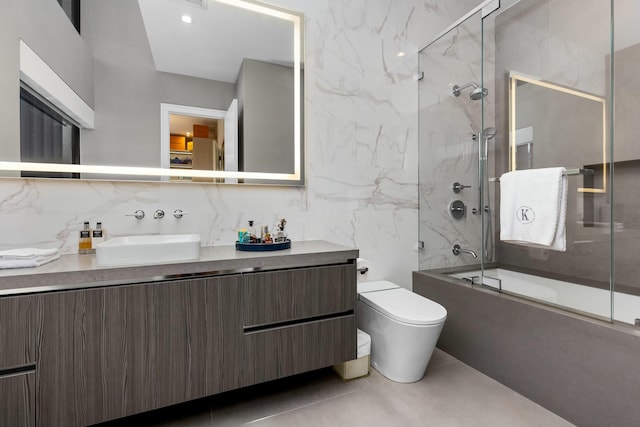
(580, 298)
(582, 368)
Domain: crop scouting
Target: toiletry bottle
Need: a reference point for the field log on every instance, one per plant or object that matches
(266, 236)
(84, 244)
(252, 232)
(97, 236)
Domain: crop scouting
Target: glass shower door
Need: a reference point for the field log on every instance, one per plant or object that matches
(450, 120)
(552, 85)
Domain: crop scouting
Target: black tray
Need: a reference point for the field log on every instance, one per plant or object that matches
(262, 247)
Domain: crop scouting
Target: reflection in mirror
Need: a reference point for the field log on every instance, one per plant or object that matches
(545, 122)
(132, 58)
(199, 139)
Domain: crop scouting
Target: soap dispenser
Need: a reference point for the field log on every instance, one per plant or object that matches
(98, 235)
(84, 244)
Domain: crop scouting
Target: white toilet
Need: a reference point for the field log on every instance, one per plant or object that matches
(404, 328)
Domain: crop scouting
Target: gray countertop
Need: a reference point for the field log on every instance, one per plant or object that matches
(81, 271)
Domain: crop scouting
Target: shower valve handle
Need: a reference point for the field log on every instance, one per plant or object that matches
(457, 187)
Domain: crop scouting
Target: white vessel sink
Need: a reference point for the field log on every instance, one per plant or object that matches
(148, 249)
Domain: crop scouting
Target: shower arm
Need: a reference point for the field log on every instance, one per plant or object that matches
(458, 89)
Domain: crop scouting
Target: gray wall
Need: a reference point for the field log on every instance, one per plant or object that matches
(266, 106)
(43, 25)
(129, 90)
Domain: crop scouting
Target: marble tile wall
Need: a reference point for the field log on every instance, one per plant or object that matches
(361, 147)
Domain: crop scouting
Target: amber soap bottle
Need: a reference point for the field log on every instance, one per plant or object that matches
(84, 244)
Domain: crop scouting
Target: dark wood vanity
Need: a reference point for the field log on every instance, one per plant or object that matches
(85, 351)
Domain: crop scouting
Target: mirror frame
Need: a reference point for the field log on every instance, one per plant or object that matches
(294, 179)
(514, 78)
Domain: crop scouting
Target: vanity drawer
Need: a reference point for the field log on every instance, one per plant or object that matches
(289, 350)
(17, 400)
(17, 331)
(290, 295)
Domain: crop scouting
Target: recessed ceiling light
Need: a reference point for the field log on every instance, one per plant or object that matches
(401, 54)
(186, 19)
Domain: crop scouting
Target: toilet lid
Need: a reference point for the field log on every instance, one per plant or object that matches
(379, 285)
(405, 306)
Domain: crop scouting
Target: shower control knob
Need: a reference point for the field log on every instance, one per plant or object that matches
(179, 213)
(458, 209)
(457, 187)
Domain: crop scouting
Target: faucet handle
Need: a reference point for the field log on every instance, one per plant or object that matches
(139, 214)
(457, 187)
(179, 213)
(158, 214)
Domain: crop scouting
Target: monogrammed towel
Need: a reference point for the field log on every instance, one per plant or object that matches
(533, 208)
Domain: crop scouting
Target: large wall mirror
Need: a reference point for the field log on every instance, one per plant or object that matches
(162, 90)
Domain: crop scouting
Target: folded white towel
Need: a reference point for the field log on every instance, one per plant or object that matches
(27, 262)
(27, 253)
(533, 208)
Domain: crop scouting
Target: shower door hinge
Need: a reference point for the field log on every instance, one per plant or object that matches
(418, 76)
(419, 245)
(489, 7)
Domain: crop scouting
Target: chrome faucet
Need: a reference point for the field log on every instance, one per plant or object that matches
(159, 214)
(139, 214)
(457, 250)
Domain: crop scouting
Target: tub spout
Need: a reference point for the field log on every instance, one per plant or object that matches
(457, 250)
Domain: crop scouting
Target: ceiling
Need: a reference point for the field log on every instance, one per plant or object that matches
(219, 37)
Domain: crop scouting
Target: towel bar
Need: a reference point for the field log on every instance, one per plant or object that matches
(580, 171)
(568, 172)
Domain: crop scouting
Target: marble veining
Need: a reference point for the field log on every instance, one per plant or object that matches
(361, 153)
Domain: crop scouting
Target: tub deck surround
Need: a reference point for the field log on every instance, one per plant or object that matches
(77, 271)
(580, 368)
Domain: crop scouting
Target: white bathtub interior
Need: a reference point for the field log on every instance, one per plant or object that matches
(565, 294)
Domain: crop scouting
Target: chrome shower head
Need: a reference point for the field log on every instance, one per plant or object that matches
(477, 93)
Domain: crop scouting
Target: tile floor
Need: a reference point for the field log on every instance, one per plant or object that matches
(450, 394)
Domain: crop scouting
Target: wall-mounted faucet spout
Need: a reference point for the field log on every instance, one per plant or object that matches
(457, 250)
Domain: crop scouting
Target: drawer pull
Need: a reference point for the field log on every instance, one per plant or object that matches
(261, 328)
(9, 372)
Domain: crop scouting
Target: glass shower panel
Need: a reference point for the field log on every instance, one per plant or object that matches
(626, 198)
(450, 118)
(552, 79)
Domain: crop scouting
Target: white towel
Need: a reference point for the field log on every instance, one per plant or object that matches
(533, 208)
(27, 253)
(27, 262)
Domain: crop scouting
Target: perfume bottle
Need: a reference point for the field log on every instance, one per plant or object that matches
(84, 244)
(265, 236)
(252, 232)
(98, 236)
(280, 236)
